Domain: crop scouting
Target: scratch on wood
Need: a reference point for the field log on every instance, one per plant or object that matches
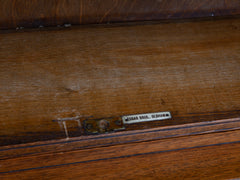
(62, 122)
(65, 128)
(106, 13)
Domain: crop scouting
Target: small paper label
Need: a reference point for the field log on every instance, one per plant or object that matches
(146, 117)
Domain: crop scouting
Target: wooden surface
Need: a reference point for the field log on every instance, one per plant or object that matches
(190, 69)
(207, 150)
(93, 141)
(35, 13)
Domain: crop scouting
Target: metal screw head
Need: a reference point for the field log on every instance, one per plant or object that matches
(103, 125)
(89, 126)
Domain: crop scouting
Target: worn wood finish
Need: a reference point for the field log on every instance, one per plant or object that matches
(190, 69)
(200, 154)
(35, 13)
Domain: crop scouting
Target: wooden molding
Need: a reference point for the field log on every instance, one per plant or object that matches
(93, 141)
(199, 150)
(42, 13)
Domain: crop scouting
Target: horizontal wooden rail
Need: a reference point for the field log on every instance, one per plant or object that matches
(86, 142)
(39, 13)
(199, 150)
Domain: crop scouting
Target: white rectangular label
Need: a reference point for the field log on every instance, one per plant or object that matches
(146, 117)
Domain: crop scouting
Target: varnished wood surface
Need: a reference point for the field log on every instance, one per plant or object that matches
(201, 154)
(87, 142)
(212, 162)
(190, 69)
(35, 13)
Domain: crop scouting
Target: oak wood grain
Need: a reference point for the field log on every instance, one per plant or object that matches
(35, 13)
(190, 69)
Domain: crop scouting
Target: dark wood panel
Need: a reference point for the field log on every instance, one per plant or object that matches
(190, 69)
(212, 155)
(35, 13)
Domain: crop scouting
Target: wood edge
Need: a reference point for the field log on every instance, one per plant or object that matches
(121, 24)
